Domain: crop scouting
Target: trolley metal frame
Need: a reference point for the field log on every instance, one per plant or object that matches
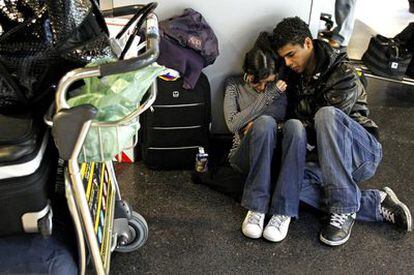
(75, 190)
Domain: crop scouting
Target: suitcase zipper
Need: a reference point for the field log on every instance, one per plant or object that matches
(177, 128)
(178, 105)
(174, 148)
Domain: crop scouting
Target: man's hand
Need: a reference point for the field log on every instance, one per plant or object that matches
(247, 128)
(281, 85)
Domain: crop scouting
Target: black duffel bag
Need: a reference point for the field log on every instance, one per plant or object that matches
(387, 57)
(406, 37)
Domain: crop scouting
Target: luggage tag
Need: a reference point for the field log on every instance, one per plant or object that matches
(393, 65)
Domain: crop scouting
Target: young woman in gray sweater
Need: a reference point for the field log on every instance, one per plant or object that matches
(254, 104)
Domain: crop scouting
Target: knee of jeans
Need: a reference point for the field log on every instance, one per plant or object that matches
(264, 125)
(325, 117)
(293, 127)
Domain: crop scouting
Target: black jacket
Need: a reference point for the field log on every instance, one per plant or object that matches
(335, 83)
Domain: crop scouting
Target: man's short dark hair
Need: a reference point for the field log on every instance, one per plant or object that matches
(291, 30)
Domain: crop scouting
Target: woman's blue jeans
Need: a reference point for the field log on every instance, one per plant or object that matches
(254, 158)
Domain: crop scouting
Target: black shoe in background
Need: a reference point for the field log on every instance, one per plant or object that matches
(338, 228)
(327, 34)
(395, 212)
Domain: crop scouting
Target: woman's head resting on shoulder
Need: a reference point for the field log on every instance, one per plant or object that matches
(260, 68)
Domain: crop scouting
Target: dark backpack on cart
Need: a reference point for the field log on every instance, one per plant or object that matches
(177, 125)
(25, 174)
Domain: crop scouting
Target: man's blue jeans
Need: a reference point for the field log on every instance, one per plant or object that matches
(254, 158)
(347, 154)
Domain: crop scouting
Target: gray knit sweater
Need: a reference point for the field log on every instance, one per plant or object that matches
(243, 104)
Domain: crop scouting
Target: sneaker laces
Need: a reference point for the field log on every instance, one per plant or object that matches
(338, 220)
(388, 215)
(254, 217)
(277, 220)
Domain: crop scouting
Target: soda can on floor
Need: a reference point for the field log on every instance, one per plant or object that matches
(201, 161)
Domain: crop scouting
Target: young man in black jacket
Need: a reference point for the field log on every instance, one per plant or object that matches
(327, 106)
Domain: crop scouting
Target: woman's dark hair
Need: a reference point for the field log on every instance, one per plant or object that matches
(259, 63)
(265, 43)
(291, 30)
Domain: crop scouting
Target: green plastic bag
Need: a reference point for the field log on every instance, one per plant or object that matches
(115, 96)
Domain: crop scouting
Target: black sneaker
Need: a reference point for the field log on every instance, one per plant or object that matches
(395, 212)
(338, 230)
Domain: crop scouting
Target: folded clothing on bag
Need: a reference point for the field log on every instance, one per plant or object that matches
(184, 60)
(191, 30)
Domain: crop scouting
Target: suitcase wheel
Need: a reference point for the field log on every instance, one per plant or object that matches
(138, 234)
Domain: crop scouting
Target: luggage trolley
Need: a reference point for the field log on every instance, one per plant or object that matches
(101, 218)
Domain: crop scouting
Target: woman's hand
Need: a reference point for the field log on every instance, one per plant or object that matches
(281, 85)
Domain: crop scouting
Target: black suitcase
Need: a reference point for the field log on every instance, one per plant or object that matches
(25, 169)
(176, 126)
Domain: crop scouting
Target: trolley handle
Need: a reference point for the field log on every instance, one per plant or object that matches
(121, 66)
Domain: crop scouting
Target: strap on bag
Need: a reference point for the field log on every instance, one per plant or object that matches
(392, 45)
(99, 17)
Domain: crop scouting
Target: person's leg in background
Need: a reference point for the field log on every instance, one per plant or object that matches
(254, 158)
(35, 254)
(285, 199)
(345, 19)
(411, 6)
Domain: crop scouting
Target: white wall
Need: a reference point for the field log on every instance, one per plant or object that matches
(237, 24)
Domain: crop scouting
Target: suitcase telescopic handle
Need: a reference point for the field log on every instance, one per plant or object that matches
(122, 11)
(122, 66)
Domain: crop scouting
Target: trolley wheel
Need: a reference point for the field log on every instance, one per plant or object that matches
(138, 234)
(45, 224)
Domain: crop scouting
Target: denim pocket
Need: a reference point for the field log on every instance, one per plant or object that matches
(366, 156)
(365, 171)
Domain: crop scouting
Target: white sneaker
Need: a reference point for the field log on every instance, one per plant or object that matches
(277, 228)
(252, 226)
